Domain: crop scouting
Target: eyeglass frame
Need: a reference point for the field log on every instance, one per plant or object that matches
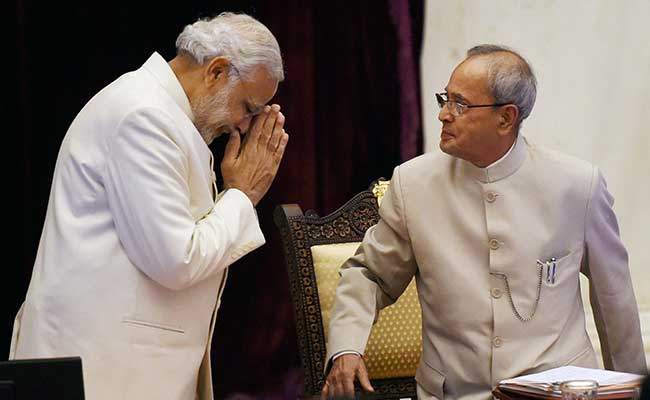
(443, 101)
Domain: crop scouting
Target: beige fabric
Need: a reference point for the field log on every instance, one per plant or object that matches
(395, 343)
(461, 231)
(580, 127)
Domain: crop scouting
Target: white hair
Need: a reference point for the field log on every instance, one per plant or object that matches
(242, 39)
(508, 81)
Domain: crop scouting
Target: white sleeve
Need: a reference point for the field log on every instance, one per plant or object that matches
(149, 198)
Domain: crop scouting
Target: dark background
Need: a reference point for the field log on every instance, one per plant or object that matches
(351, 70)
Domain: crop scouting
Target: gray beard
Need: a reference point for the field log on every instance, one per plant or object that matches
(211, 114)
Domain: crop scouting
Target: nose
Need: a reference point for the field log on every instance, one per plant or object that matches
(444, 115)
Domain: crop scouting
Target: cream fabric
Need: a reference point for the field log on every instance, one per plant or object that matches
(461, 231)
(395, 343)
(134, 251)
(581, 51)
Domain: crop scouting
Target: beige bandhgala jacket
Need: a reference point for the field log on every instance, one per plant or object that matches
(134, 251)
(472, 238)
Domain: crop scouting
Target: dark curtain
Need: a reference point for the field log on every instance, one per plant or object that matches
(351, 98)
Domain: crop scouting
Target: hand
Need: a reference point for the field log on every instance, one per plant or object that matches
(251, 166)
(340, 381)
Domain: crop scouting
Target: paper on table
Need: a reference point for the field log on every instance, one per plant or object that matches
(603, 377)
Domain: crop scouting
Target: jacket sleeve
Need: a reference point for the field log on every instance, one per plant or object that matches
(374, 278)
(148, 193)
(610, 286)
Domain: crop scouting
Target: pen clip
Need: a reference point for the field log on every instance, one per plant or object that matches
(554, 262)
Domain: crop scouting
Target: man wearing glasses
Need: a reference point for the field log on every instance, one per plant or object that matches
(496, 232)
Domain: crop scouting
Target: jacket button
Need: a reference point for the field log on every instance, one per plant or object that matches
(496, 293)
(490, 197)
(494, 244)
(497, 341)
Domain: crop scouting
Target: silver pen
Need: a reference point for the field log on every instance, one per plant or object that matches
(554, 261)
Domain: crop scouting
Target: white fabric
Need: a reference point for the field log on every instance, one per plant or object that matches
(134, 251)
(592, 61)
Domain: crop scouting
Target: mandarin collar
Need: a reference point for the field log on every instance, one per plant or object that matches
(501, 169)
(160, 69)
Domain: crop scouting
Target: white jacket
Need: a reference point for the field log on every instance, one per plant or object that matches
(134, 251)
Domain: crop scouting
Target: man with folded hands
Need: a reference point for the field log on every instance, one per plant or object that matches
(137, 241)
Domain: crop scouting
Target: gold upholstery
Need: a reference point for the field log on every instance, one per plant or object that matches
(379, 189)
(315, 248)
(395, 342)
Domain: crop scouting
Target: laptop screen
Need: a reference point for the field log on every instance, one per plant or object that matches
(43, 378)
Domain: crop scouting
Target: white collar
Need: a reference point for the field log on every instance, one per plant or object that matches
(160, 69)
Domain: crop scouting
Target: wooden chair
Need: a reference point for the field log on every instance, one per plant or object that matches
(315, 248)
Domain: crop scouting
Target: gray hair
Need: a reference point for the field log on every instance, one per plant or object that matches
(509, 80)
(242, 39)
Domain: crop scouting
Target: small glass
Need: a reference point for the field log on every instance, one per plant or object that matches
(579, 390)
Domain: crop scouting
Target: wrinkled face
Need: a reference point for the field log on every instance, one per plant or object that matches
(233, 105)
(472, 135)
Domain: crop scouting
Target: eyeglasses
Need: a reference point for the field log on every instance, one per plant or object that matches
(457, 109)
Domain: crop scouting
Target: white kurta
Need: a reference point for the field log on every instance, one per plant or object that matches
(134, 251)
(472, 238)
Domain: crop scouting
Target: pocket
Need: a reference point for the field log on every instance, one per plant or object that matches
(432, 380)
(556, 269)
(560, 298)
(153, 325)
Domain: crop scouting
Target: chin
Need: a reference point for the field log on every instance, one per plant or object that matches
(445, 145)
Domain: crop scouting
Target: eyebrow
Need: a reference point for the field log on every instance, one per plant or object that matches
(455, 95)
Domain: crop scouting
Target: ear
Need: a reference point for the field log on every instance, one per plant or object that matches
(216, 71)
(508, 117)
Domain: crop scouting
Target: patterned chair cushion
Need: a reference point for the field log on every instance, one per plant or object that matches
(395, 342)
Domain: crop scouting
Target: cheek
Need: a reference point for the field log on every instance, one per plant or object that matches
(467, 139)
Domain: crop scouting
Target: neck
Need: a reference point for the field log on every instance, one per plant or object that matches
(499, 150)
(188, 75)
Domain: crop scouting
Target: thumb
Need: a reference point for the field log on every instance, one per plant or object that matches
(233, 146)
(362, 375)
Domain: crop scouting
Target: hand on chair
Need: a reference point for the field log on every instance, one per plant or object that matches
(340, 381)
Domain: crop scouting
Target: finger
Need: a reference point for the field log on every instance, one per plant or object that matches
(348, 388)
(279, 152)
(232, 147)
(324, 392)
(338, 391)
(277, 133)
(258, 126)
(362, 375)
(269, 124)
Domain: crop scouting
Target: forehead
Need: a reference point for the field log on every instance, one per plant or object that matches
(259, 86)
(469, 80)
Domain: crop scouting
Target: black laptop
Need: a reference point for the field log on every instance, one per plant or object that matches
(42, 378)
